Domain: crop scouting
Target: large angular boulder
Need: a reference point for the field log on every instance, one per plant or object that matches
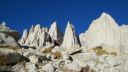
(7, 40)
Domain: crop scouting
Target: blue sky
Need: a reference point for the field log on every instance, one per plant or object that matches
(21, 14)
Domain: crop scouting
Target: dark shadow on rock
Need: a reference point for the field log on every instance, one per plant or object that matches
(4, 71)
(24, 59)
(76, 52)
(26, 47)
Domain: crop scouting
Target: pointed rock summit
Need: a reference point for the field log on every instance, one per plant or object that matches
(24, 37)
(103, 30)
(3, 23)
(70, 38)
(104, 21)
(3, 27)
(55, 33)
(102, 48)
(40, 36)
(36, 37)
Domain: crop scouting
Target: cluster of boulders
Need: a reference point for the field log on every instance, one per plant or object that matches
(102, 48)
(8, 47)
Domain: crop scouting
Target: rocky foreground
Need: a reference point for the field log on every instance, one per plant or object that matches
(102, 48)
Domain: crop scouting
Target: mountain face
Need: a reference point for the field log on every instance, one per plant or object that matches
(124, 37)
(102, 31)
(102, 48)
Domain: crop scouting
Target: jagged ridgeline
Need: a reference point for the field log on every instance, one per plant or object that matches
(103, 31)
(102, 48)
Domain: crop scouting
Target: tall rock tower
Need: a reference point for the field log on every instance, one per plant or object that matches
(55, 34)
(70, 38)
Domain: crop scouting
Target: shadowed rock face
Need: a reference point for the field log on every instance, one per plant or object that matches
(14, 34)
(9, 56)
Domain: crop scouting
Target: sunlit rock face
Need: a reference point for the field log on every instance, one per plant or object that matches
(89, 55)
(70, 38)
(7, 40)
(36, 37)
(82, 40)
(8, 45)
(124, 37)
(24, 37)
(39, 36)
(8, 37)
(3, 27)
(103, 31)
(55, 34)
